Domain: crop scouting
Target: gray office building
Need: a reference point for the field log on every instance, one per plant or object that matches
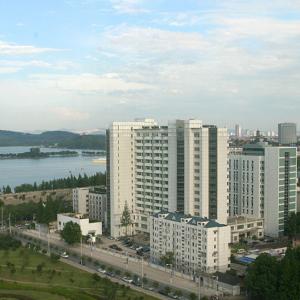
(287, 133)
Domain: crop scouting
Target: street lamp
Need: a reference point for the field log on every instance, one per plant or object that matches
(171, 272)
(142, 259)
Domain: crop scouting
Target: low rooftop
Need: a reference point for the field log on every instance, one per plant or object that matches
(192, 220)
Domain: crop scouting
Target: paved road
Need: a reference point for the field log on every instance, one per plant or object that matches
(134, 265)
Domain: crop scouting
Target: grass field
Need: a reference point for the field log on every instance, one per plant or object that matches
(27, 275)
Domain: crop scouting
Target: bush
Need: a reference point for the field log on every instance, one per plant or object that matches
(7, 242)
(54, 257)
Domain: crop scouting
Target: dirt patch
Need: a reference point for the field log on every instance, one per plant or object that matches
(19, 198)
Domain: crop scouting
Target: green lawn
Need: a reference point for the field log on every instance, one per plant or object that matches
(35, 276)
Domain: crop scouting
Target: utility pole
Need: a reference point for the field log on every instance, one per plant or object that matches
(2, 222)
(199, 285)
(142, 272)
(127, 260)
(9, 224)
(81, 250)
(48, 240)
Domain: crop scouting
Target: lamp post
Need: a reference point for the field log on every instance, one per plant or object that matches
(199, 284)
(81, 250)
(142, 277)
(171, 272)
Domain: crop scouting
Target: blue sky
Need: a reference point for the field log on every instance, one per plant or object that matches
(80, 64)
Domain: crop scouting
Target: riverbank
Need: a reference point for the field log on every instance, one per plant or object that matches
(35, 153)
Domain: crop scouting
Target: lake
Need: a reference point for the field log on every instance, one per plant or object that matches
(14, 172)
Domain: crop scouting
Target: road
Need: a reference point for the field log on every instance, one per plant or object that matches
(134, 265)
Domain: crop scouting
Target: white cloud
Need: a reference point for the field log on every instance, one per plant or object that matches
(85, 83)
(128, 6)
(14, 49)
(143, 41)
(69, 114)
(14, 66)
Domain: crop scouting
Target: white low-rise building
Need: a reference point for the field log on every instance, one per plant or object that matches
(243, 228)
(87, 227)
(198, 244)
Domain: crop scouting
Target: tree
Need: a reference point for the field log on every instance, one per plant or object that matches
(168, 258)
(71, 233)
(292, 227)
(262, 278)
(289, 279)
(193, 296)
(126, 218)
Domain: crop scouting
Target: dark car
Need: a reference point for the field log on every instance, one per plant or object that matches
(115, 247)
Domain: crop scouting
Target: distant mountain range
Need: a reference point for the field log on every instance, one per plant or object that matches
(59, 139)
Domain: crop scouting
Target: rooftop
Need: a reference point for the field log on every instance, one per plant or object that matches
(192, 220)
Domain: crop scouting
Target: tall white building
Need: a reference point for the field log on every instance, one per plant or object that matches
(179, 167)
(198, 244)
(262, 184)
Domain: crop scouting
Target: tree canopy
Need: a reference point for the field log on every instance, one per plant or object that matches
(64, 183)
(292, 228)
(42, 212)
(271, 279)
(126, 218)
(71, 233)
(168, 258)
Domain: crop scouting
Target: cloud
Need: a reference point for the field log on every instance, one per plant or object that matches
(87, 82)
(14, 66)
(144, 41)
(14, 49)
(69, 114)
(128, 6)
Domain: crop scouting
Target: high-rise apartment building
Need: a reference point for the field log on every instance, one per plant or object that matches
(287, 133)
(262, 184)
(179, 167)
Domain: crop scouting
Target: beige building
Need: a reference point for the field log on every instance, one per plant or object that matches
(178, 167)
(198, 244)
(91, 201)
(245, 228)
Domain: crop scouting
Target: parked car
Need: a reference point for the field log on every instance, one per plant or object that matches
(128, 280)
(100, 270)
(110, 274)
(115, 247)
(64, 255)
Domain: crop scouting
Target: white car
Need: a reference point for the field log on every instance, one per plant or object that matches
(100, 270)
(128, 280)
(64, 255)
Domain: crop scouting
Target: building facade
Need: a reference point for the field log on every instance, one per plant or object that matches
(245, 228)
(91, 201)
(198, 244)
(87, 227)
(179, 167)
(287, 133)
(262, 184)
(81, 200)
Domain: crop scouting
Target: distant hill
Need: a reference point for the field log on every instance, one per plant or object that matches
(59, 139)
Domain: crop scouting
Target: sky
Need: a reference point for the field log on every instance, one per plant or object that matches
(81, 64)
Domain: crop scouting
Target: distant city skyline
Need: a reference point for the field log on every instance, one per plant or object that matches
(84, 63)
